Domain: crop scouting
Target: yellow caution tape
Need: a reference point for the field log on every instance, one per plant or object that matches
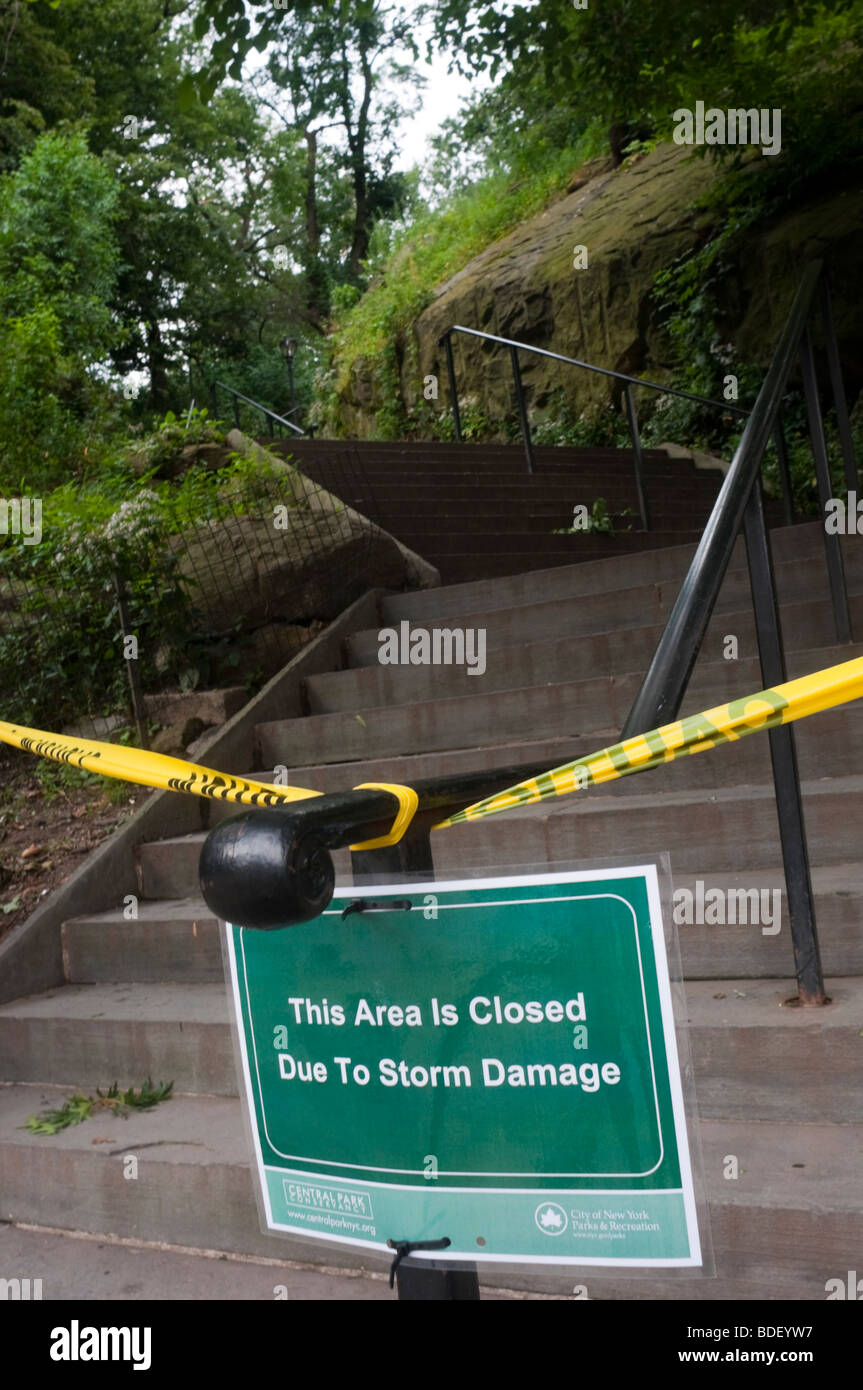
(725, 723)
(149, 769)
(408, 802)
(794, 700)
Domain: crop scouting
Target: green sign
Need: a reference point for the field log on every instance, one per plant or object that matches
(492, 1061)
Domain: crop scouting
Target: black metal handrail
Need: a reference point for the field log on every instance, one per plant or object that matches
(297, 870)
(515, 347)
(280, 420)
(740, 504)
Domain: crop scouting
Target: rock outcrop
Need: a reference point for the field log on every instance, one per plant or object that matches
(635, 221)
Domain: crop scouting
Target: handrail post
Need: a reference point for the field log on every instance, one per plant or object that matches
(663, 687)
(784, 471)
(235, 399)
(522, 410)
(783, 756)
(832, 543)
(453, 389)
(423, 1280)
(638, 457)
(840, 401)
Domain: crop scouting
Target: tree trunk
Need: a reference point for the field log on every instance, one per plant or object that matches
(360, 242)
(313, 231)
(157, 365)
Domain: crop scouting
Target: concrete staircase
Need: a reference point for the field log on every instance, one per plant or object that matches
(777, 1086)
(474, 511)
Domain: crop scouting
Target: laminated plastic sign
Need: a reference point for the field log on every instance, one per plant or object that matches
(492, 1061)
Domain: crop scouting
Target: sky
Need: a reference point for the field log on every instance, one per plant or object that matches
(442, 97)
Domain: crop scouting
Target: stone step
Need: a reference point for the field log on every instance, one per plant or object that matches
(178, 940)
(541, 489)
(510, 500)
(434, 543)
(469, 568)
(597, 578)
(494, 457)
(792, 1219)
(732, 829)
(523, 629)
(726, 830)
(78, 1267)
(474, 518)
(544, 659)
(168, 942)
(430, 714)
(823, 744)
(753, 1058)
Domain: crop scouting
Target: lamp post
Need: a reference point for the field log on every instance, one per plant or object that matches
(289, 348)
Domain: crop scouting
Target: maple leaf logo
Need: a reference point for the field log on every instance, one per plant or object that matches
(550, 1218)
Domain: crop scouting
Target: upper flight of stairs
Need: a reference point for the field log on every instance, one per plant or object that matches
(777, 1086)
(474, 511)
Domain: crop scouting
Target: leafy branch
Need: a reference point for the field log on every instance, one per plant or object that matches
(78, 1107)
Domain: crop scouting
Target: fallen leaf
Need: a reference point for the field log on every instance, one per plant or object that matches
(12, 906)
(29, 852)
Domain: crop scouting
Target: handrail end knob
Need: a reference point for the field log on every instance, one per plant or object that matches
(262, 870)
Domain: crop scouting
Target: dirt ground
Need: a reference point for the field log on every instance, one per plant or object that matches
(51, 816)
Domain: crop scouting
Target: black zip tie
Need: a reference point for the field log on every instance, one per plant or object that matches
(363, 905)
(407, 1247)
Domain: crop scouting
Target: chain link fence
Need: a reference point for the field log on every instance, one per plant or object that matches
(215, 588)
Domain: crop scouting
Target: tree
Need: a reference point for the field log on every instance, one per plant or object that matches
(629, 63)
(59, 260)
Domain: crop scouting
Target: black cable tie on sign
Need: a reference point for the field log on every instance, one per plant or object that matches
(407, 1247)
(363, 905)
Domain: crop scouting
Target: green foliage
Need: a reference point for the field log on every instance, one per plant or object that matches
(60, 634)
(57, 242)
(597, 426)
(600, 522)
(435, 246)
(475, 426)
(80, 1107)
(171, 435)
(58, 265)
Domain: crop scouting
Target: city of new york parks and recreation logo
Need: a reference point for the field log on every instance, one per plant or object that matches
(551, 1219)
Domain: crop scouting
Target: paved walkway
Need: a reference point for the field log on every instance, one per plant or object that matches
(89, 1268)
